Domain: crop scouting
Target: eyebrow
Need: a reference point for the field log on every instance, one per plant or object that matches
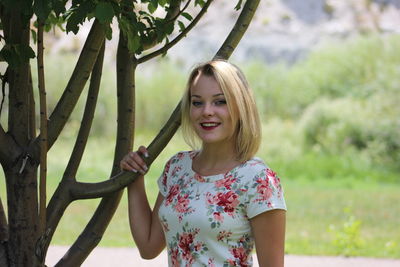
(220, 94)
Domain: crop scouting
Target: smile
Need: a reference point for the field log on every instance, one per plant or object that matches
(209, 125)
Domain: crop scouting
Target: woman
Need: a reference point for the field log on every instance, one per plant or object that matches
(217, 202)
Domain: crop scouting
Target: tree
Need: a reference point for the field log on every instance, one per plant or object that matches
(27, 229)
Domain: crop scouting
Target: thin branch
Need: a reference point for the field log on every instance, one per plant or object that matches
(3, 224)
(43, 128)
(101, 189)
(74, 88)
(87, 119)
(166, 47)
(9, 150)
(172, 13)
(94, 230)
(61, 198)
(238, 30)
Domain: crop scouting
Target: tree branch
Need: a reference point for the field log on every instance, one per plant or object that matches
(3, 224)
(172, 13)
(74, 88)
(43, 128)
(9, 150)
(122, 179)
(3, 236)
(87, 119)
(165, 48)
(238, 30)
(62, 197)
(93, 232)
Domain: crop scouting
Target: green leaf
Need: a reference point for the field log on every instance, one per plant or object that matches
(201, 3)
(169, 28)
(133, 42)
(239, 5)
(181, 26)
(34, 36)
(104, 12)
(187, 16)
(152, 7)
(162, 2)
(59, 6)
(25, 52)
(15, 55)
(108, 31)
(42, 9)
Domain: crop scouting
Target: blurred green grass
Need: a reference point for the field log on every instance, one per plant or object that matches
(313, 204)
(330, 130)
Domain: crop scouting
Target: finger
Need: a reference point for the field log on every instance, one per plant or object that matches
(136, 162)
(143, 151)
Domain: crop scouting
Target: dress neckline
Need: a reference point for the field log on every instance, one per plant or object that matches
(209, 178)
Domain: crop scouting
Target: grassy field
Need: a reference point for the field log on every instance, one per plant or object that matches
(322, 219)
(330, 130)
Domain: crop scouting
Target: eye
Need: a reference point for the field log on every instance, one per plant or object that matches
(220, 102)
(196, 103)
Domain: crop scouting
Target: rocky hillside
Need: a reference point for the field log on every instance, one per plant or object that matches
(282, 30)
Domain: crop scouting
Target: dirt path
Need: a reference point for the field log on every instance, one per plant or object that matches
(125, 257)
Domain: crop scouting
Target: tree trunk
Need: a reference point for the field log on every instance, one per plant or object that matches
(23, 216)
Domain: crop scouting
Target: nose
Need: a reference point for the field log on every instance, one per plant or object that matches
(208, 110)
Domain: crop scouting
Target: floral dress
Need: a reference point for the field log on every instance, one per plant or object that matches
(206, 218)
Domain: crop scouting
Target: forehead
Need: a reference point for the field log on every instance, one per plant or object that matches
(204, 85)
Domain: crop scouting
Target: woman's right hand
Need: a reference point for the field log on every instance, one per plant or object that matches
(133, 161)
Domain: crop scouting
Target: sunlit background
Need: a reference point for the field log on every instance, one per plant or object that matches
(326, 75)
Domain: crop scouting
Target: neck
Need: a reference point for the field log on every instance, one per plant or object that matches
(213, 158)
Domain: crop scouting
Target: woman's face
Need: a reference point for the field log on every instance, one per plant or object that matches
(209, 112)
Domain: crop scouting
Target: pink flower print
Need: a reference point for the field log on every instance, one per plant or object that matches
(185, 241)
(185, 244)
(180, 155)
(228, 201)
(272, 175)
(164, 225)
(256, 162)
(263, 189)
(231, 262)
(165, 175)
(198, 246)
(174, 257)
(199, 178)
(218, 217)
(172, 193)
(225, 182)
(223, 235)
(210, 198)
(182, 203)
(175, 170)
(211, 262)
(240, 256)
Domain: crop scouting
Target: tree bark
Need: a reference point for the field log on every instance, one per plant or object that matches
(3, 237)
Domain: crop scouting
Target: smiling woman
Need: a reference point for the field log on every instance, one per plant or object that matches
(217, 202)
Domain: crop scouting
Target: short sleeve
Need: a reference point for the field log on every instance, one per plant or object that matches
(163, 179)
(264, 192)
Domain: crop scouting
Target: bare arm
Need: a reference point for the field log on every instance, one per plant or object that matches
(269, 234)
(145, 226)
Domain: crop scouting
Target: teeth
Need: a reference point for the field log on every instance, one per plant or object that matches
(209, 124)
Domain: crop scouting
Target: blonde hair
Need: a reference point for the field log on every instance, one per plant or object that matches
(241, 106)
